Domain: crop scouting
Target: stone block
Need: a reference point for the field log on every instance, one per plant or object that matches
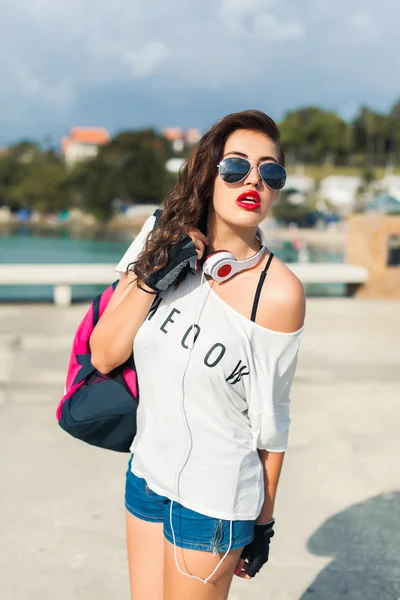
(370, 242)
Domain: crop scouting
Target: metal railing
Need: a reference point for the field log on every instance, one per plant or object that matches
(62, 277)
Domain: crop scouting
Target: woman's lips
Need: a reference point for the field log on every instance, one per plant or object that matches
(249, 200)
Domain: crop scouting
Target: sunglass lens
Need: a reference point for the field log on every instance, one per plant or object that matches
(273, 175)
(233, 170)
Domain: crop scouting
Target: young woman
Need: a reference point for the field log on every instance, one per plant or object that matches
(215, 348)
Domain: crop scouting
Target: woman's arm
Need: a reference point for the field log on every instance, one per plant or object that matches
(272, 466)
(111, 342)
(112, 339)
(285, 312)
(256, 553)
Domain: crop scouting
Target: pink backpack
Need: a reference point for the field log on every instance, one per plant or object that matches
(98, 409)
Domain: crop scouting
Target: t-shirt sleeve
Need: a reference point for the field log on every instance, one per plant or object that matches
(269, 395)
(137, 246)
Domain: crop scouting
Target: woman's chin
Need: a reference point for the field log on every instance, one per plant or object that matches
(249, 217)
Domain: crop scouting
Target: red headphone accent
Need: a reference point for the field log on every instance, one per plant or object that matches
(224, 270)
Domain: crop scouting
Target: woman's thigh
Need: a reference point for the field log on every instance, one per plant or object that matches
(145, 544)
(203, 545)
(145, 513)
(201, 564)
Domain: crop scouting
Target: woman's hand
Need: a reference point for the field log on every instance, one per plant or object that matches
(256, 554)
(199, 240)
(180, 256)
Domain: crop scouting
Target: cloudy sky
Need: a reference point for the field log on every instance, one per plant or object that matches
(134, 63)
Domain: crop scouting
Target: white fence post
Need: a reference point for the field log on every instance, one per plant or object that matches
(62, 295)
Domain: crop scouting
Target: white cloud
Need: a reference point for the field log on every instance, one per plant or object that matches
(144, 61)
(60, 93)
(278, 29)
(217, 52)
(251, 18)
(365, 28)
(26, 94)
(240, 8)
(362, 20)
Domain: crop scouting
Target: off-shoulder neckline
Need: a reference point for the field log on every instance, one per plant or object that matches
(251, 323)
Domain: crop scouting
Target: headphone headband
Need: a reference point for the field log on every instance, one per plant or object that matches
(222, 265)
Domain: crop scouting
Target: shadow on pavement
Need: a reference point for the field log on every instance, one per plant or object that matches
(364, 542)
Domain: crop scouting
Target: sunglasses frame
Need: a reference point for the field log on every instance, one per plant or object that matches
(251, 165)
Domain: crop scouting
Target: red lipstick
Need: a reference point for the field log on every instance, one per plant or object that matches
(249, 200)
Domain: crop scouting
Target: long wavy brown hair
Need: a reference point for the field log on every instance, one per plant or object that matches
(187, 205)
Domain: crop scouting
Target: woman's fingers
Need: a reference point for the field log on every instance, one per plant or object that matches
(199, 250)
(199, 240)
(198, 235)
(240, 570)
(243, 575)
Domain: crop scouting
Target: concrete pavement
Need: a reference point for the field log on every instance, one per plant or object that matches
(338, 506)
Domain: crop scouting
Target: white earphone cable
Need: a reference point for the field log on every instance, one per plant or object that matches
(191, 342)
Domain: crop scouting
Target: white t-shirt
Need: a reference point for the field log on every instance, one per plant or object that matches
(197, 441)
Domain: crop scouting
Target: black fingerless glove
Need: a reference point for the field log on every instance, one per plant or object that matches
(256, 553)
(179, 257)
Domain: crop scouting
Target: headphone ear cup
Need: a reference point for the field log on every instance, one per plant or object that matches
(220, 265)
(224, 270)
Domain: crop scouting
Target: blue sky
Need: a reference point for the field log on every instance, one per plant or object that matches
(136, 63)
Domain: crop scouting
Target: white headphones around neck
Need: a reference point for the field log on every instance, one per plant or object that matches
(222, 265)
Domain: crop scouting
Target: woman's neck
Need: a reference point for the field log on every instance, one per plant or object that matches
(242, 242)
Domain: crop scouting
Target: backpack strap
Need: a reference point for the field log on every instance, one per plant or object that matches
(96, 310)
(259, 287)
(157, 214)
(97, 301)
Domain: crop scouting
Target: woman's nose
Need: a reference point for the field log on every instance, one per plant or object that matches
(253, 176)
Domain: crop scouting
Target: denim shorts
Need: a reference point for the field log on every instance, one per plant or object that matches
(192, 529)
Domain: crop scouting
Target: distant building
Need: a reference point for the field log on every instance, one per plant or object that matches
(83, 143)
(384, 203)
(182, 137)
(192, 136)
(341, 191)
(297, 188)
(389, 184)
(299, 183)
(174, 165)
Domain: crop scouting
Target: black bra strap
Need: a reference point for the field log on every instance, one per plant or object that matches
(259, 287)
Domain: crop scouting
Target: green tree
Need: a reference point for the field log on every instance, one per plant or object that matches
(130, 167)
(394, 133)
(371, 132)
(314, 135)
(12, 172)
(32, 179)
(286, 212)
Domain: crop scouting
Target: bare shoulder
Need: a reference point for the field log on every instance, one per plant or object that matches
(282, 305)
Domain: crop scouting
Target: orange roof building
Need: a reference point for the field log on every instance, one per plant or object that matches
(180, 137)
(192, 136)
(83, 143)
(173, 133)
(90, 135)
